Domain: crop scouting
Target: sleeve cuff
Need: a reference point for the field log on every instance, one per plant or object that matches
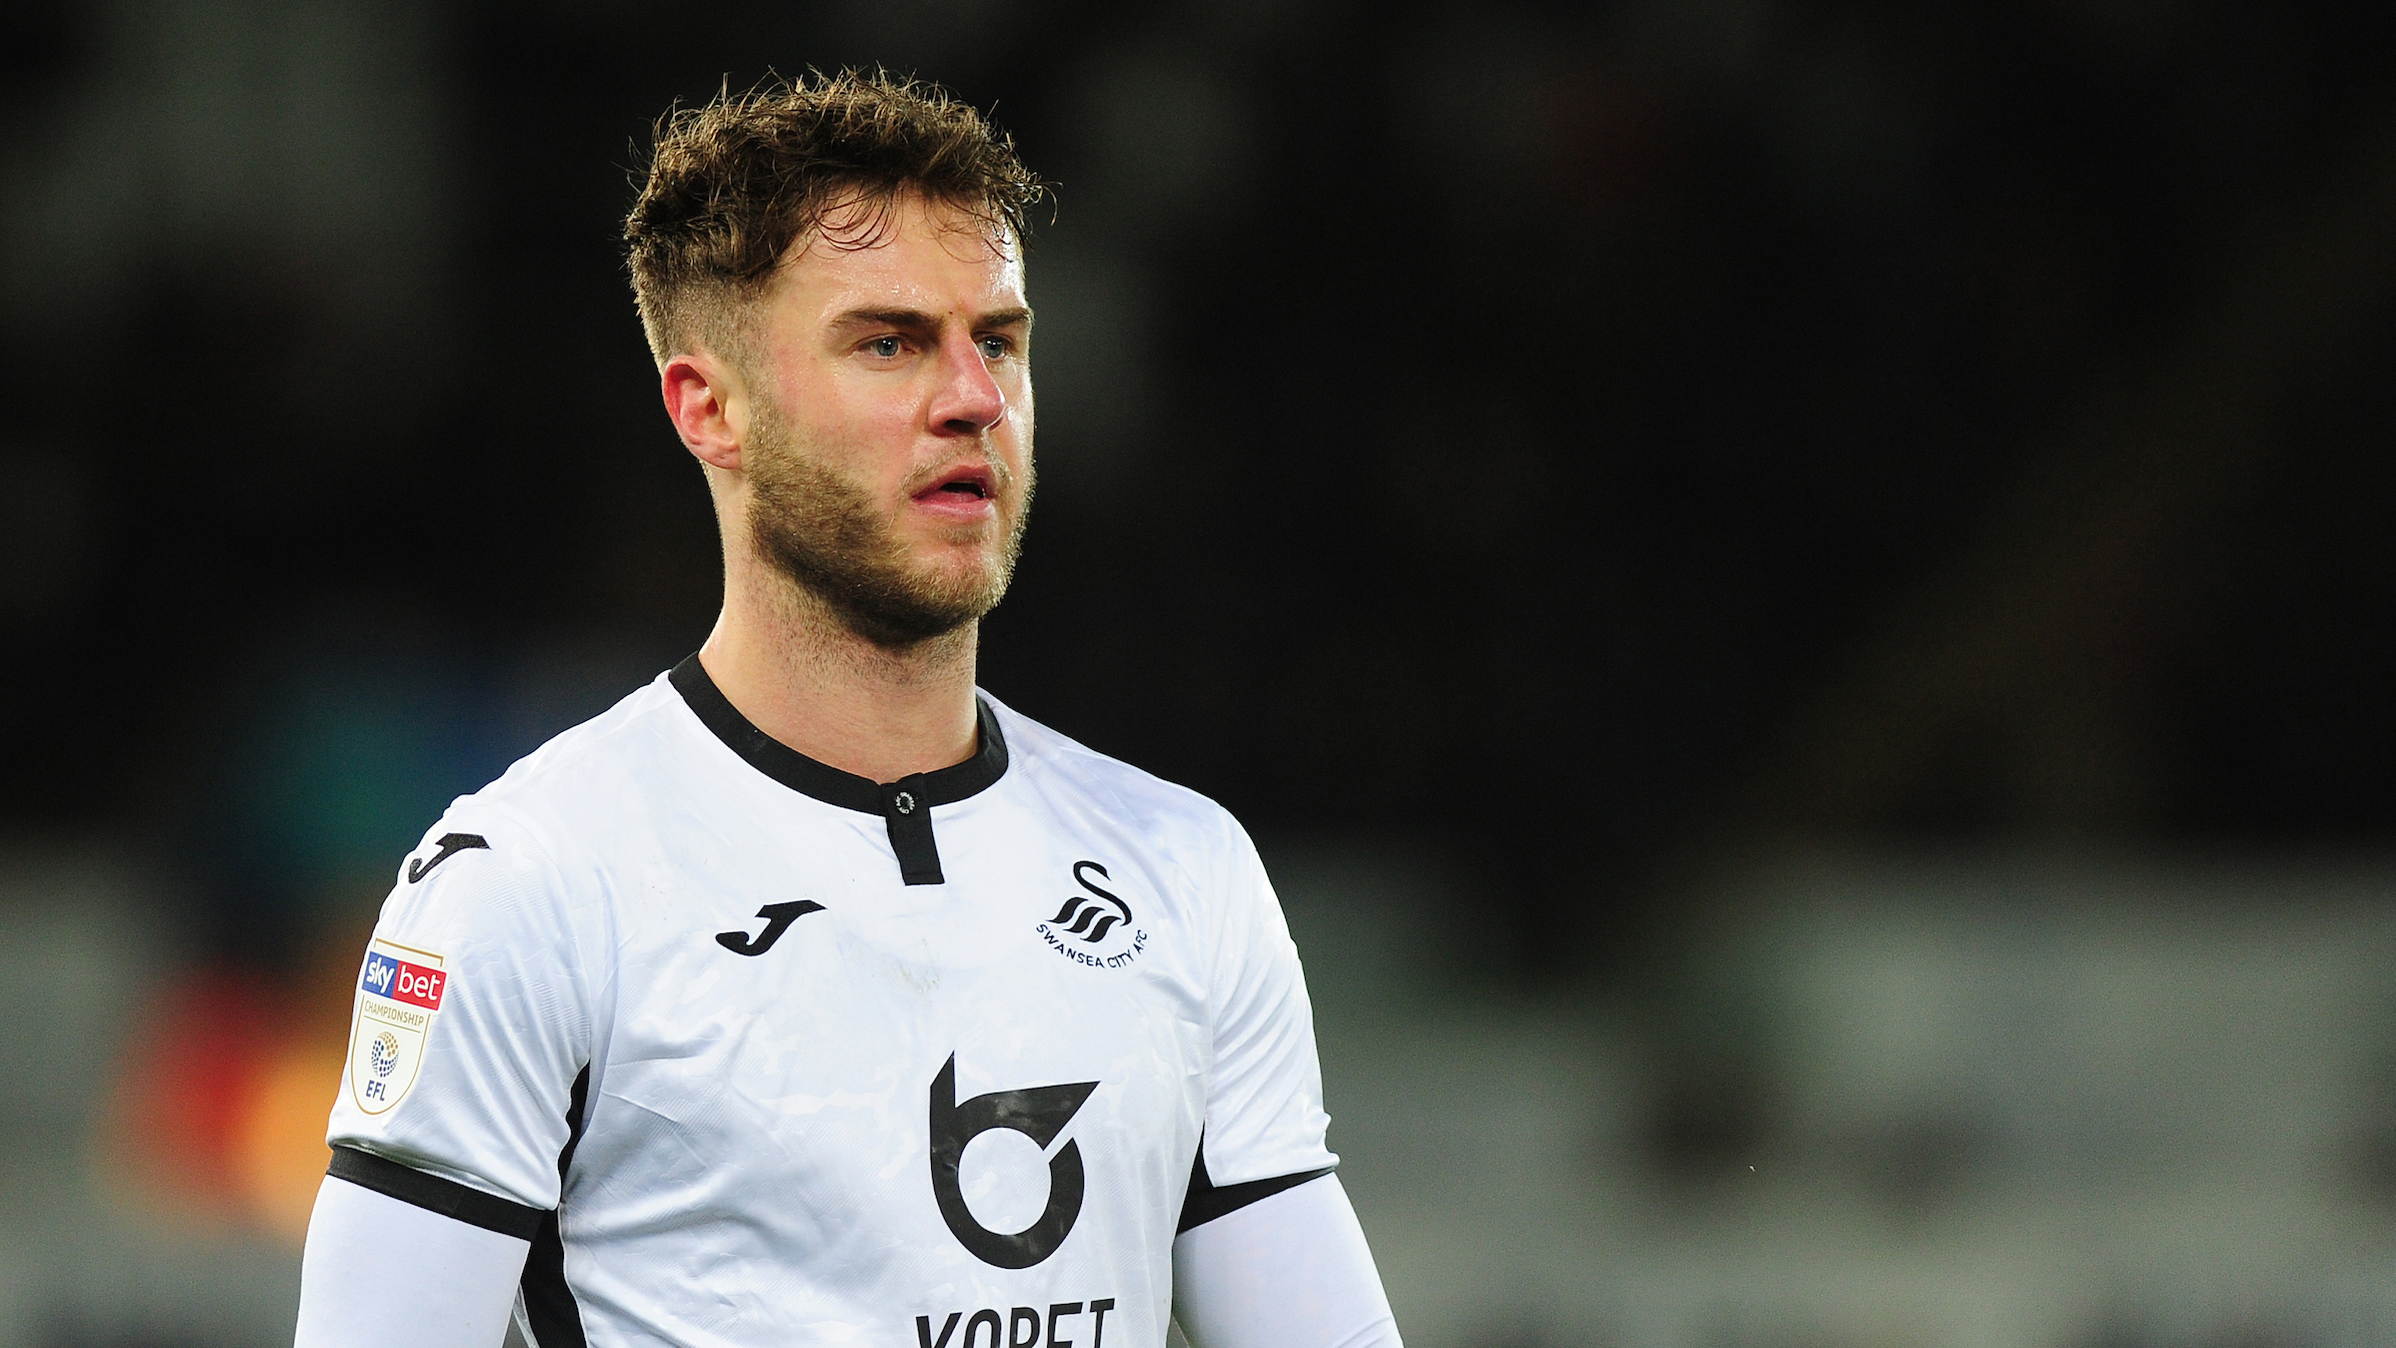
(435, 1194)
(1205, 1202)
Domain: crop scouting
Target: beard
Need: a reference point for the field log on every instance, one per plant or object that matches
(828, 536)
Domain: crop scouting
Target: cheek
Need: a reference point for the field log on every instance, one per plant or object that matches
(1019, 414)
(869, 431)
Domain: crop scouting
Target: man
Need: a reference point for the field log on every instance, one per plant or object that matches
(808, 995)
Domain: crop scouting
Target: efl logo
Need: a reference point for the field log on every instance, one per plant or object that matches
(402, 989)
(403, 982)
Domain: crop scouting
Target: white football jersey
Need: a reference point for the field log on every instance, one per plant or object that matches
(759, 1052)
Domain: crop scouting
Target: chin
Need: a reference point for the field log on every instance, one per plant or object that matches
(960, 561)
(974, 591)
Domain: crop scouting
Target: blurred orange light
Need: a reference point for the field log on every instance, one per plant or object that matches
(219, 1110)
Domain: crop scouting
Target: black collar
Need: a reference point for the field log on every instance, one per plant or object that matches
(825, 782)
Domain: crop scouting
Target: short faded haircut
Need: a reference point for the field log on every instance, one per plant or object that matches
(732, 185)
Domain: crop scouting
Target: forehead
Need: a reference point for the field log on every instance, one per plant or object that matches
(907, 251)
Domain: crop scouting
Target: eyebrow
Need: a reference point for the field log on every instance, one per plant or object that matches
(917, 320)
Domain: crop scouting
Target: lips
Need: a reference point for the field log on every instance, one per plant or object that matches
(973, 482)
(968, 490)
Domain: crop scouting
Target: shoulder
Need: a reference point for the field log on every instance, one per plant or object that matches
(555, 809)
(524, 860)
(1183, 820)
(637, 743)
(648, 729)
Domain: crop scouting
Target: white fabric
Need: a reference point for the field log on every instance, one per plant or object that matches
(756, 1163)
(1288, 1271)
(380, 1273)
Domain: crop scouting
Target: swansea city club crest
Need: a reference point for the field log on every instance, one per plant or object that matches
(1095, 926)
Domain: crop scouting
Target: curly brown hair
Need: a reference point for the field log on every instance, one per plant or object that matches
(732, 185)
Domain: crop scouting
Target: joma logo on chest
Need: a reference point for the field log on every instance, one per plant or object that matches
(778, 917)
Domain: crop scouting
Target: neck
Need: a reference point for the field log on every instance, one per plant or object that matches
(786, 661)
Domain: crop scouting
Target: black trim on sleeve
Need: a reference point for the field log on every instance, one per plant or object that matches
(555, 1318)
(434, 1194)
(904, 805)
(1205, 1202)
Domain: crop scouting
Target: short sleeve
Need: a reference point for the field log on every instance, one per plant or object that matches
(1264, 1105)
(470, 1020)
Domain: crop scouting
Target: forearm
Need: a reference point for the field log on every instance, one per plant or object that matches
(1288, 1271)
(380, 1273)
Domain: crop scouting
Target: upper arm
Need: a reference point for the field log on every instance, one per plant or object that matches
(381, 1273)
(1289, 1271)
(471, 1020)
(1264, 1108)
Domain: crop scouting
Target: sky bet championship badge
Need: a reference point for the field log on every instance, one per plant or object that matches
(398, 997)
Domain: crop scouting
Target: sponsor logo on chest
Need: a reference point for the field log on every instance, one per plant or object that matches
(1020, 1327)
(1040, 1113)
(1096, 927)
(399, 993)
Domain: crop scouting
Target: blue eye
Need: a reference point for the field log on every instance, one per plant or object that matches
(994, 348)
(885, 347)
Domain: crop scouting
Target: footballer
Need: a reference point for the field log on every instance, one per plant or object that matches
(811, 995)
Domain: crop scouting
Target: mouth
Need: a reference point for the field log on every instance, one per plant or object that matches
(963, 487)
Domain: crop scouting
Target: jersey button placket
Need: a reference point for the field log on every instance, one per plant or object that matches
(907, 814)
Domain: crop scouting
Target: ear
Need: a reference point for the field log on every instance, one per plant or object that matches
(708, 404)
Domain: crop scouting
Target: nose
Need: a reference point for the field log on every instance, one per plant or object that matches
(969, 401)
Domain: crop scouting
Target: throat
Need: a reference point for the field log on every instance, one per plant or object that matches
(804, 678)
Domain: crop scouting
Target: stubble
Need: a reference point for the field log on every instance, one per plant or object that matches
(833, 540)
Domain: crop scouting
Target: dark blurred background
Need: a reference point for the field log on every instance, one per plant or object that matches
(1556, 458)
(1564, 432)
